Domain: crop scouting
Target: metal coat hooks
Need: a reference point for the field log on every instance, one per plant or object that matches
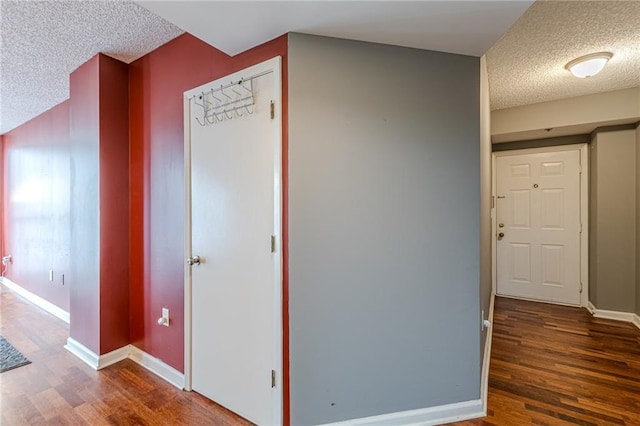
(233, 100)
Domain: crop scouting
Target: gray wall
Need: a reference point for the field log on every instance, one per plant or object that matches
(613, 216)
(383, 229)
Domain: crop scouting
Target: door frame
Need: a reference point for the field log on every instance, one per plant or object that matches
(274, 65)
(583, 150)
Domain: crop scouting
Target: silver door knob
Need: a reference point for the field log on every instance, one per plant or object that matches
(501, 235)
(195, 260)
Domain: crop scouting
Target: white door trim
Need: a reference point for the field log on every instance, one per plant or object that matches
(584, 210)
(275, 65)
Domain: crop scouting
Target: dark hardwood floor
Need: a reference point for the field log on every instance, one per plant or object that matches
(550, 365)
(557, 365)
(59, 389)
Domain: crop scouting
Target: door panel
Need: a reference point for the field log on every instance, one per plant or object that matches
(538, 211)
(234, 178)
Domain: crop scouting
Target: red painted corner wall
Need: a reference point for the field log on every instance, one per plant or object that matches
(114, 203)
(35, 204)
(157, 83)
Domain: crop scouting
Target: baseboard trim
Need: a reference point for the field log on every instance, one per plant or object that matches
(157, 367)
(37, 300)
(113, 357)
(151, 363)
(614, 315)
(81, 351)
(636, 320)
(486, 361)
(424, 417)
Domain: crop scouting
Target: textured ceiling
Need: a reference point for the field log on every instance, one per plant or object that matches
(464, 27)
(43, 42)
(526, 65)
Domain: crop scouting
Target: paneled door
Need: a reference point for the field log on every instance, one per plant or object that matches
(235, 254)
(538, 226)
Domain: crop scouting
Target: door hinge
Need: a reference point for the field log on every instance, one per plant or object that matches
(273, 244)
(581, 287)
(273, 378)
(273, 110)
(581, 228)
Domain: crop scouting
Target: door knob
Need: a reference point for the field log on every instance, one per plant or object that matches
(195, 260)
(501, 235)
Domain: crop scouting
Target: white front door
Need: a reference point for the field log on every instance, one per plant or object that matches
(235, 221)
(538, 226)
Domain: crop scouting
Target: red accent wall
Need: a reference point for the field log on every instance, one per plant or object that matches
(125, 195)
(157, 83)
(35, 213)
(99, 151)
(114, 203)
(85, 235)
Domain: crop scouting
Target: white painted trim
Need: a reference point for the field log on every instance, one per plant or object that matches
(274, 64)
(151, 363)
(636, 320)
(37, 300)
(614, 315)
(157, 366)
(631, 317)
(187, 243)
(584, 220)
(486, 361)
(425, 416)
(113, 357)
(584, 212)
(81, 351)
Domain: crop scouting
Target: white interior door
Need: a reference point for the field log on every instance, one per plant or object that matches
(235, 212)
(538, 232)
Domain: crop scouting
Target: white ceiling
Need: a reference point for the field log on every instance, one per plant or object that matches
(43, 42)
(464, 27)
(526, 65)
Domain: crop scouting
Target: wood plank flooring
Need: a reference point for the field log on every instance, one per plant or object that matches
(59, 389)
(550, 365)
(557, 365)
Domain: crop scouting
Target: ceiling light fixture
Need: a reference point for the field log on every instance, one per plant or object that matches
(588, 65)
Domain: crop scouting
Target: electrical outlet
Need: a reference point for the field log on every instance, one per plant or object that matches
(164, 320)
(165, 316)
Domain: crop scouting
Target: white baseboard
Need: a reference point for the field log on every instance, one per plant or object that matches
(37, 300)
(636, 320)
(151, 363)
(157, 367)
(81, 351)
(113, 357)
(614, 315)
(486, 361)
(423, 417)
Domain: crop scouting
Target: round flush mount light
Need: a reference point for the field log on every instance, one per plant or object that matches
(588, 65)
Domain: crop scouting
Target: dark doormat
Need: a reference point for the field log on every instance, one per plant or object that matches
(10, 357)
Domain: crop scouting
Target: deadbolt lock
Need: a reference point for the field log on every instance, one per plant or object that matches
(501, 225)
